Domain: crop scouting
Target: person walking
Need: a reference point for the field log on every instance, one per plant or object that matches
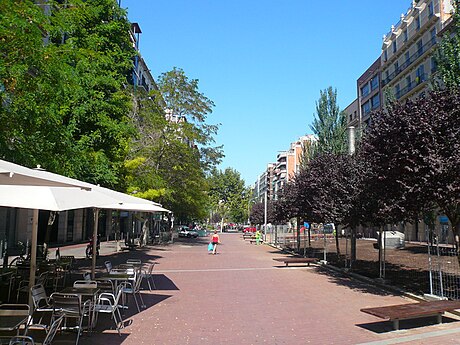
(215, 240)
(258, 237)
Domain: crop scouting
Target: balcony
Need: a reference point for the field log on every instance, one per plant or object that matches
(418, 80)
(408, 62)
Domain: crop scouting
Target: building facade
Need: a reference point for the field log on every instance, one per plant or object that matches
(407, 60)
(352, 111)
(288, 163)
(369, 94)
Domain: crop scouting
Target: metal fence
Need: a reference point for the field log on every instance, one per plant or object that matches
(429, 267)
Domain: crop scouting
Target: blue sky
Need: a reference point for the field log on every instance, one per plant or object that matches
(264, 62)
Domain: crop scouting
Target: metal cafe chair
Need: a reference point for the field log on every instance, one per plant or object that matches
(87, 284)
(133, 288)
(134, 261)
(50, 334)
(148, 275)
(24, 284)
(70, 307)
(109, 303)
(42, 303)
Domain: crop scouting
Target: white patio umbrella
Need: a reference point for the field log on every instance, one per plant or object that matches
(14, 174)
(41, 190)
(47, 198)
(136, 204)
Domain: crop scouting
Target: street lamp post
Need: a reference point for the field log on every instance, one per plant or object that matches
(222, 204)
(265, 216)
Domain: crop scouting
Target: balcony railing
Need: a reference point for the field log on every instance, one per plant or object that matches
(418, 80)
(409, 61)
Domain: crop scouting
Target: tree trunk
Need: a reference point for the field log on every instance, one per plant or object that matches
(352, 246)
(298, 235)
(337, 245)
(381, 269)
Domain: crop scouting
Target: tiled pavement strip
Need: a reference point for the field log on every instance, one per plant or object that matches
(242, 296)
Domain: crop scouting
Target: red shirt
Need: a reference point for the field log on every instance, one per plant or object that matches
(215, 238)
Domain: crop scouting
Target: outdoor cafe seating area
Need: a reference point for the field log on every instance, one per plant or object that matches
(69, 302)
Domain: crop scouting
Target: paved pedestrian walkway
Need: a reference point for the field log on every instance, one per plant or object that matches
(242, 296)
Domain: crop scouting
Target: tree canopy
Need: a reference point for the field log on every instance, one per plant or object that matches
(329, 124)
(62, 73)
(228, 194)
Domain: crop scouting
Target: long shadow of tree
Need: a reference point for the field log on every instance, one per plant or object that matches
(399, 276)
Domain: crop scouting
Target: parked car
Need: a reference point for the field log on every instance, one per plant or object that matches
(250, 229)
(186, 232)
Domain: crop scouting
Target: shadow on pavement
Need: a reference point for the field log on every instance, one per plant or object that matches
(162, 282)
(111, 338)
(387, 326)
(199, 241)
(150, 299)
(352, 283)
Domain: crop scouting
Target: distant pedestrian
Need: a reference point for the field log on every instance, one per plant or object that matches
(258, 237)
(215, 240)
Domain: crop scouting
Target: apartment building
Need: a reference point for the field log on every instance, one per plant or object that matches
(407, 60)
(288, 163)
(264, 184)
(369, 93)
(141, 76)
(353, 115)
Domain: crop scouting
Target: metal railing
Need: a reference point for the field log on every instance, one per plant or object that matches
(409, 61)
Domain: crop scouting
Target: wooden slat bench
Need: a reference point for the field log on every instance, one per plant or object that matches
(288, 261)
(398, 312)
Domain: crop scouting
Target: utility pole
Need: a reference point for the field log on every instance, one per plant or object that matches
(351, 151)
(265, 216)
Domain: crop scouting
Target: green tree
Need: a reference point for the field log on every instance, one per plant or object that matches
(62, 73)
(227, 188)
(173, 150)
(187, 106)
(329, 124)
(447, 55)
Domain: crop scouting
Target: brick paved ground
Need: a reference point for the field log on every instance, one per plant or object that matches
(240, 296)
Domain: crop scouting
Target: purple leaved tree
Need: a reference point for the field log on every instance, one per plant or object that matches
(412, 159)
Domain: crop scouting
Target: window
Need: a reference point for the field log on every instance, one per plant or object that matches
(394, 46)
(433, 36)
(408, 82)
(430, 9)
(375, 82)
(385, 55)
(375, 101)
(366, 107)
(434, 65)
(351, 118)
(396, 66)
(365, 90)
(420, 47)
(417, 23)
(420, 74)
(397, 91)
(405, 35)
(387, 74)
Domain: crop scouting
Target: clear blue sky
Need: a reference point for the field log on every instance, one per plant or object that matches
(263, 62)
